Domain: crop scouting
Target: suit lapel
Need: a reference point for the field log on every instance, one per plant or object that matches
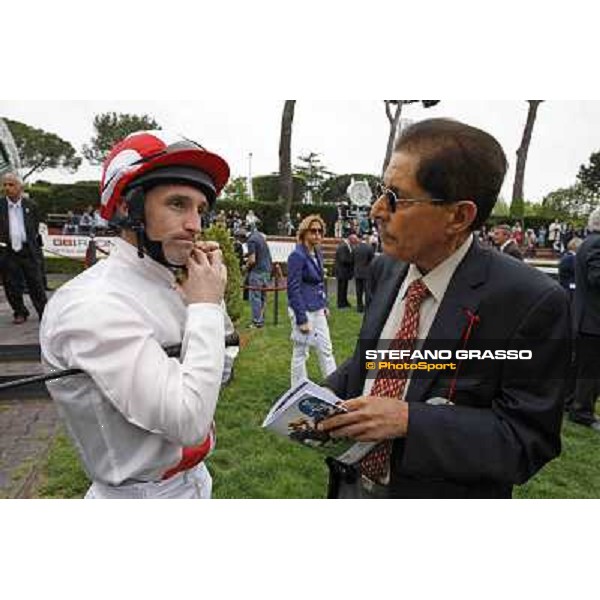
(28, 221)
(382, 304)
(4, 232)
(463, 295)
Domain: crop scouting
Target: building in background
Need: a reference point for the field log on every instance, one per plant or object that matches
(9, 155)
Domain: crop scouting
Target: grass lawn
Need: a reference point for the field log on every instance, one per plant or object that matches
(250, 463)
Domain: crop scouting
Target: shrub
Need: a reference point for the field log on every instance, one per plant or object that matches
(233, 291)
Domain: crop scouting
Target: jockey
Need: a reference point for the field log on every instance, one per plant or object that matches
(142, 421)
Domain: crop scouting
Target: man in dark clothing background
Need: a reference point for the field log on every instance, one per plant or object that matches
(363, 256)
(587, 326)
(503, 238)
(344, 269)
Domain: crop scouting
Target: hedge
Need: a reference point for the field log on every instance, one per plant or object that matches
(271, 213)
(61, 198)
(266, 188)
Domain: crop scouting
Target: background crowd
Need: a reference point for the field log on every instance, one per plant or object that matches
(556, 237)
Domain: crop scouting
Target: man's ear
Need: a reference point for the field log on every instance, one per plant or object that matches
(464, 215)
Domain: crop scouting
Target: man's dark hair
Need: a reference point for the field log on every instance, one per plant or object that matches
(457, 162)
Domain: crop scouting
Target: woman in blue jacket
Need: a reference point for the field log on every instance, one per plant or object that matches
(307, 300)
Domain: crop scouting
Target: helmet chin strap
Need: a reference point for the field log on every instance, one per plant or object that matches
(136, 222)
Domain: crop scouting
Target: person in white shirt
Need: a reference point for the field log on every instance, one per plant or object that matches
(141, 420)
(251, 220)
(553, 232)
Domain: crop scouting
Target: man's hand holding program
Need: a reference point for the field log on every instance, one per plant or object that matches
(369, 419)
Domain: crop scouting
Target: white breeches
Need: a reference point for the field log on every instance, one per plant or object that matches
(194, 483)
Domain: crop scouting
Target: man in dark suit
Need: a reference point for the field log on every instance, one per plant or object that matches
(566, 267)
(587, 326)
(344, 269)
(503, 238)
(476, 429)
(363, 256)
(20, 249)
(566, 278)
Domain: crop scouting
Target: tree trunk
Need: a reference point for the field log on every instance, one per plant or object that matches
(523, 150)
(394, 120)
(32, 170)
(285, 155)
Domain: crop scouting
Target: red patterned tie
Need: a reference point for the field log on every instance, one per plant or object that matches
(375, 465)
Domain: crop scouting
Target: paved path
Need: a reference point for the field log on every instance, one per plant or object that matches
(27, 427)
(27, 430)
(27, 333)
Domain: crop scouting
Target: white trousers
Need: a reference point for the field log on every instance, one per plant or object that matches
(194, 483)
(301, 349)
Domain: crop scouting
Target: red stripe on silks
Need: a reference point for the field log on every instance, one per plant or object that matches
(192, 456)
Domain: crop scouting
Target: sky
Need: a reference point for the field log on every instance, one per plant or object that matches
(350, 135)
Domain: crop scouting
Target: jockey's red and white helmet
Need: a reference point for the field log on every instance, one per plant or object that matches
(148, 158)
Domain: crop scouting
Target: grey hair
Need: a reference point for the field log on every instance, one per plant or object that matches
(15, 176)
(594, 220)
(574, 244)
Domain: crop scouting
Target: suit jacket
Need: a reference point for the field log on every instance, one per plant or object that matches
(363, 256)
(305, 283)
(512, 249)
(31, 220)
(587, 286)
(505, 424)
(344, 262)
(566, 270)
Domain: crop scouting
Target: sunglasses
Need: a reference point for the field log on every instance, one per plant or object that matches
(316, 231)
(394, 201)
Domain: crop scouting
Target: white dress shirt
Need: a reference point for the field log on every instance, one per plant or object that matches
(437, 281)
(16, 224)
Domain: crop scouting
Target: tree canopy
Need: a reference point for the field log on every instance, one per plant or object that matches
(111, 128)
(394, 121)
(589, 175)
(575, 202)
(314, 173)
(237, 190)
(39, 149)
